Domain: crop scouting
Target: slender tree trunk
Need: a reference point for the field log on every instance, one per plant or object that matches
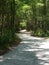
(44, 16)
(12, 17)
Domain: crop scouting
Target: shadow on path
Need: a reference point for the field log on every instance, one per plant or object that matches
(29, 52)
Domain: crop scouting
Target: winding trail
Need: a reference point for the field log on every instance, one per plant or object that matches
(31, 51)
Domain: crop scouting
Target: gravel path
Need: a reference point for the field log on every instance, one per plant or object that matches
(31, 51)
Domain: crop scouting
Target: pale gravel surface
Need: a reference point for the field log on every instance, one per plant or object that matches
(31, 51)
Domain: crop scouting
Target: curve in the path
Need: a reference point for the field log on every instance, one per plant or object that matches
(31, 51)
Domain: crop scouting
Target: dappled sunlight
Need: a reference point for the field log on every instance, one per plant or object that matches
(1, 59)
(22, 30)
(30, 51)
(30, 38)
(40, 4)
(21, 57)
(38, 45)
(43, 56)
(45, 44)
(42, 63)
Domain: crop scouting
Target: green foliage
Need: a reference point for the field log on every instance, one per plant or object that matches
(7, 23)
(7, 40)
(23, 24)
(30, 14)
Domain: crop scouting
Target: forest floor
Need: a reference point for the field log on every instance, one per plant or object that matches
(30, 51)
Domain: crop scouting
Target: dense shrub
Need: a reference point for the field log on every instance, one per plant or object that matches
(8, 40)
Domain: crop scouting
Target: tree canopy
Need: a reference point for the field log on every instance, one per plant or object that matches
(15, 15)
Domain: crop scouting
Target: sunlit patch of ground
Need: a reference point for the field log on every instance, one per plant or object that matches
(38, 45)
(45, 44)
(23, 31)
(31, 51)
